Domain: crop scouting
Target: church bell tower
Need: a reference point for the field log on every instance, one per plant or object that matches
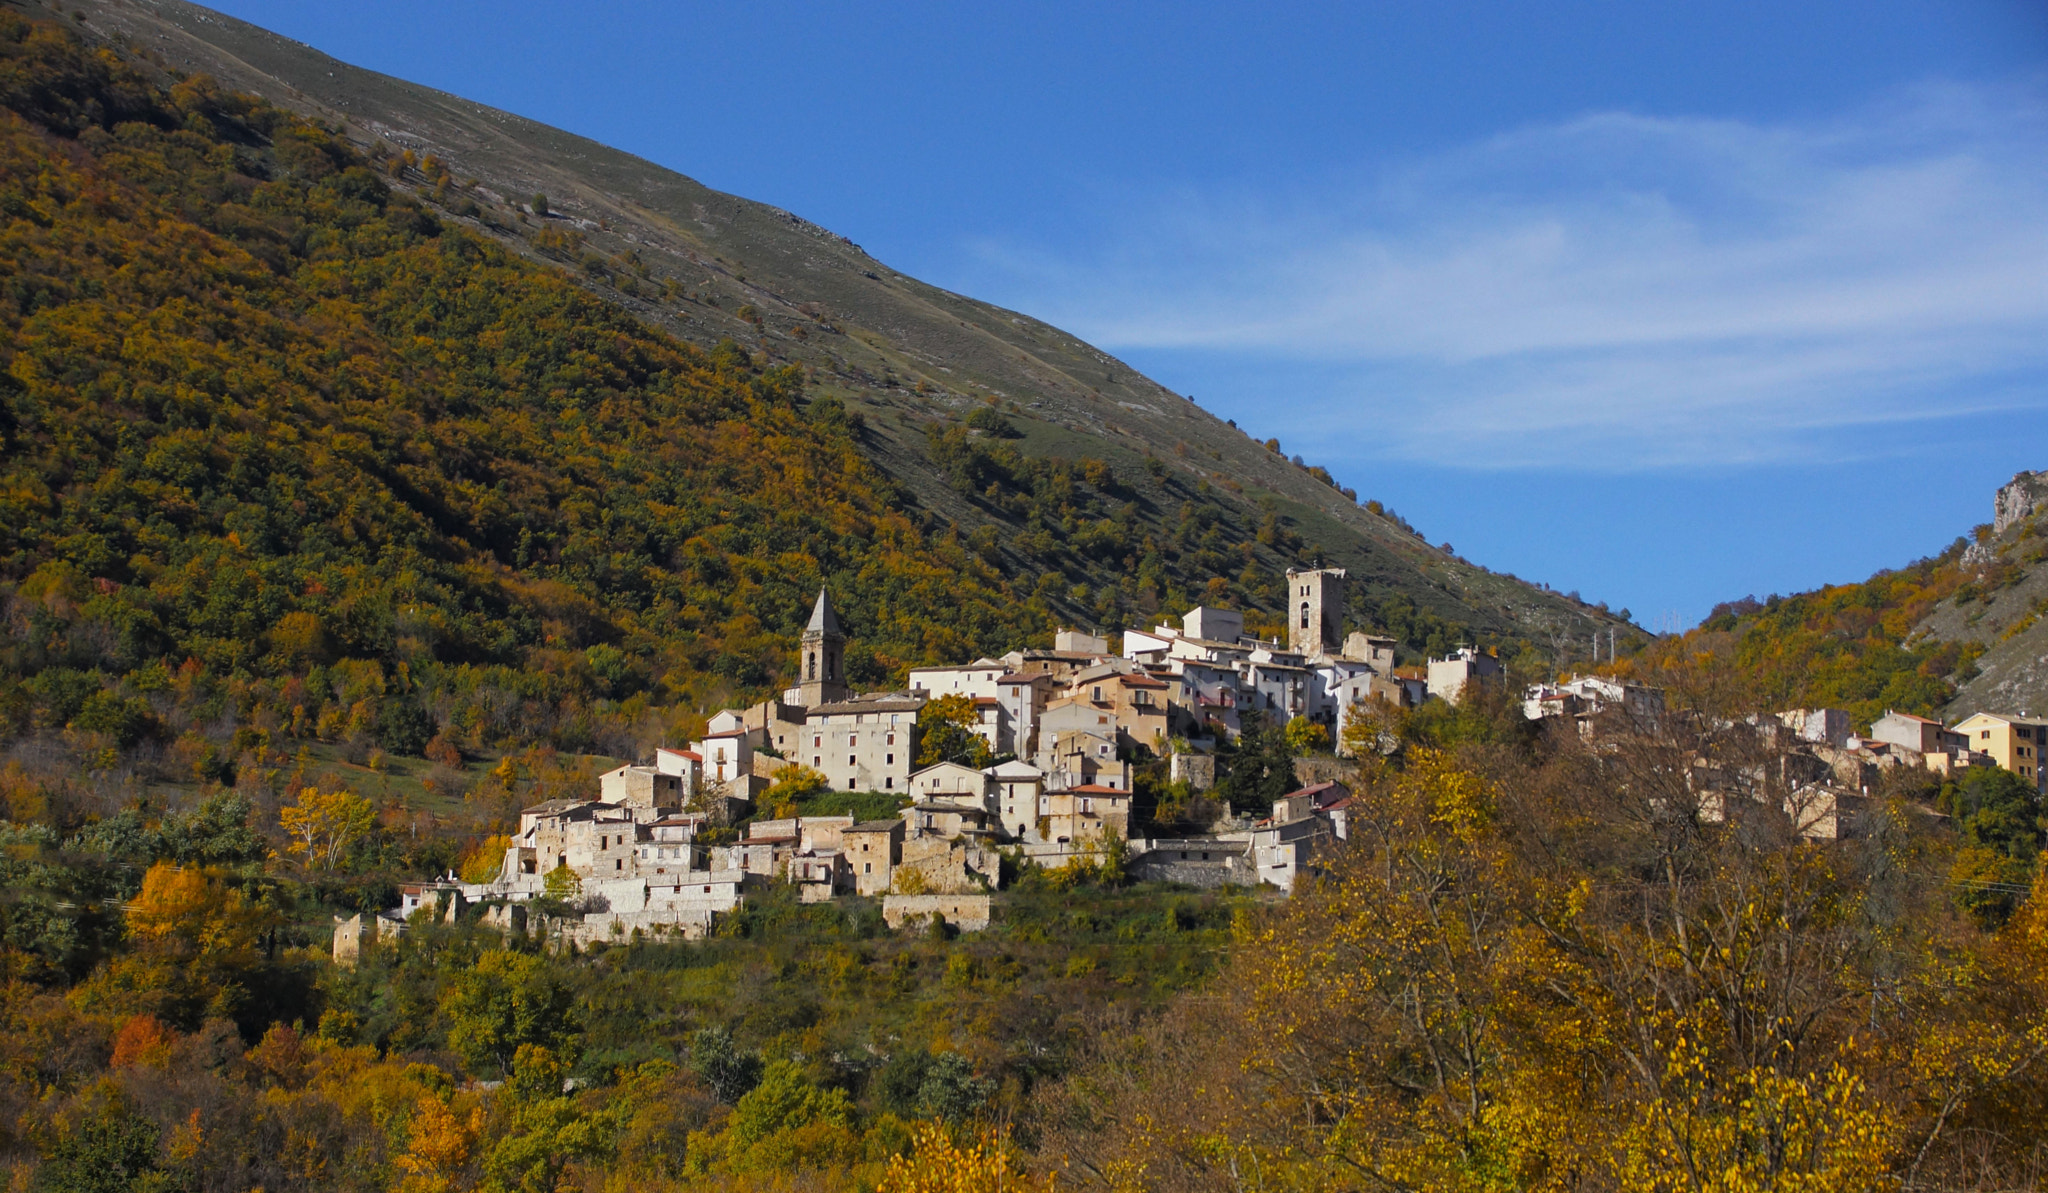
(823, 657)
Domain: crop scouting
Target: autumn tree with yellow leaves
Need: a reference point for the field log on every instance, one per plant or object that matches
(1590, 968)
(321, 825)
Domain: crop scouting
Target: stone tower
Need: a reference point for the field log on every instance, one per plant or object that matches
(824, 657)
(1315, 611)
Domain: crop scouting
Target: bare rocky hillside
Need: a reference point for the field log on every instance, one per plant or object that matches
(2002, 604)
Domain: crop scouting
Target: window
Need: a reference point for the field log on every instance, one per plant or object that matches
(852, 740)
(817, 740)
(618, 863)
(1304, 615)
(889, 784)
(891, 740)
(891, 759)
(852, 760)
(816, 762)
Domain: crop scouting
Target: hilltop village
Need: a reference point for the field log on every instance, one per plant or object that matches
(654, 849)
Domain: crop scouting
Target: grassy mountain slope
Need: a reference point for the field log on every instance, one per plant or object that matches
(1959, 633)
(909, 361)
(278, 446)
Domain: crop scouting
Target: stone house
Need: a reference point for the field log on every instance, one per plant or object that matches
(727, 760)
(686, 765)
(591, 838)
(1017, 788)
(953, 782)
(1316, 800)
(1823, 726)
(864, 743)
(1448, 676)
(640, 787)
(872, 849)
(1077, 758)
(775, 724)
(940, 818)
(1134, 704)
(1276, 683)
(820, 877)
(1023, 699)
(1207, 862)
(1077, 716)
(670, 846)
(1083, 815)
(1918, 734)
(1824, 812)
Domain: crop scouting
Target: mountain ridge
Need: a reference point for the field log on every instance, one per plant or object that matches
(908, 359)
(1957, 633)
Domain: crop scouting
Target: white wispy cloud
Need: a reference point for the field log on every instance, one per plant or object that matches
(1619, 291)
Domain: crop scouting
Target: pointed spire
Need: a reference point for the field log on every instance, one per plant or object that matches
(823, 620)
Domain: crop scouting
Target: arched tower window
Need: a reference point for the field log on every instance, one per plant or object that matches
(1304, 615)
(813, 657)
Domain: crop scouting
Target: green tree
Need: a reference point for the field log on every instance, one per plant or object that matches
(2003, 831)
(1257, 770)
(545, 1129)
(946, 729)
(507, 1000)
(731, 1071)
(951, 1091)
(784, 1104)
(109, 1150)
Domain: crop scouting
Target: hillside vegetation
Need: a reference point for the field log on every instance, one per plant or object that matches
(279, 445)
(1946, 636)
(910, 363)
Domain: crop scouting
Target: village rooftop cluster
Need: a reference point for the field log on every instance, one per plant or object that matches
(1066, 722)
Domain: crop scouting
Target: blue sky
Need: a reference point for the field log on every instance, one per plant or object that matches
(1662, 303)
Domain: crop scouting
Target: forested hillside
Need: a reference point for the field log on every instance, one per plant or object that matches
(1192, 499)
(1947, 636)
(280, 445)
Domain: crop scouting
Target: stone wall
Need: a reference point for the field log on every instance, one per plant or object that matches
(1310, 771)
(1198, 771)
(969, 913)
(1225, 865)
(613, 927)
